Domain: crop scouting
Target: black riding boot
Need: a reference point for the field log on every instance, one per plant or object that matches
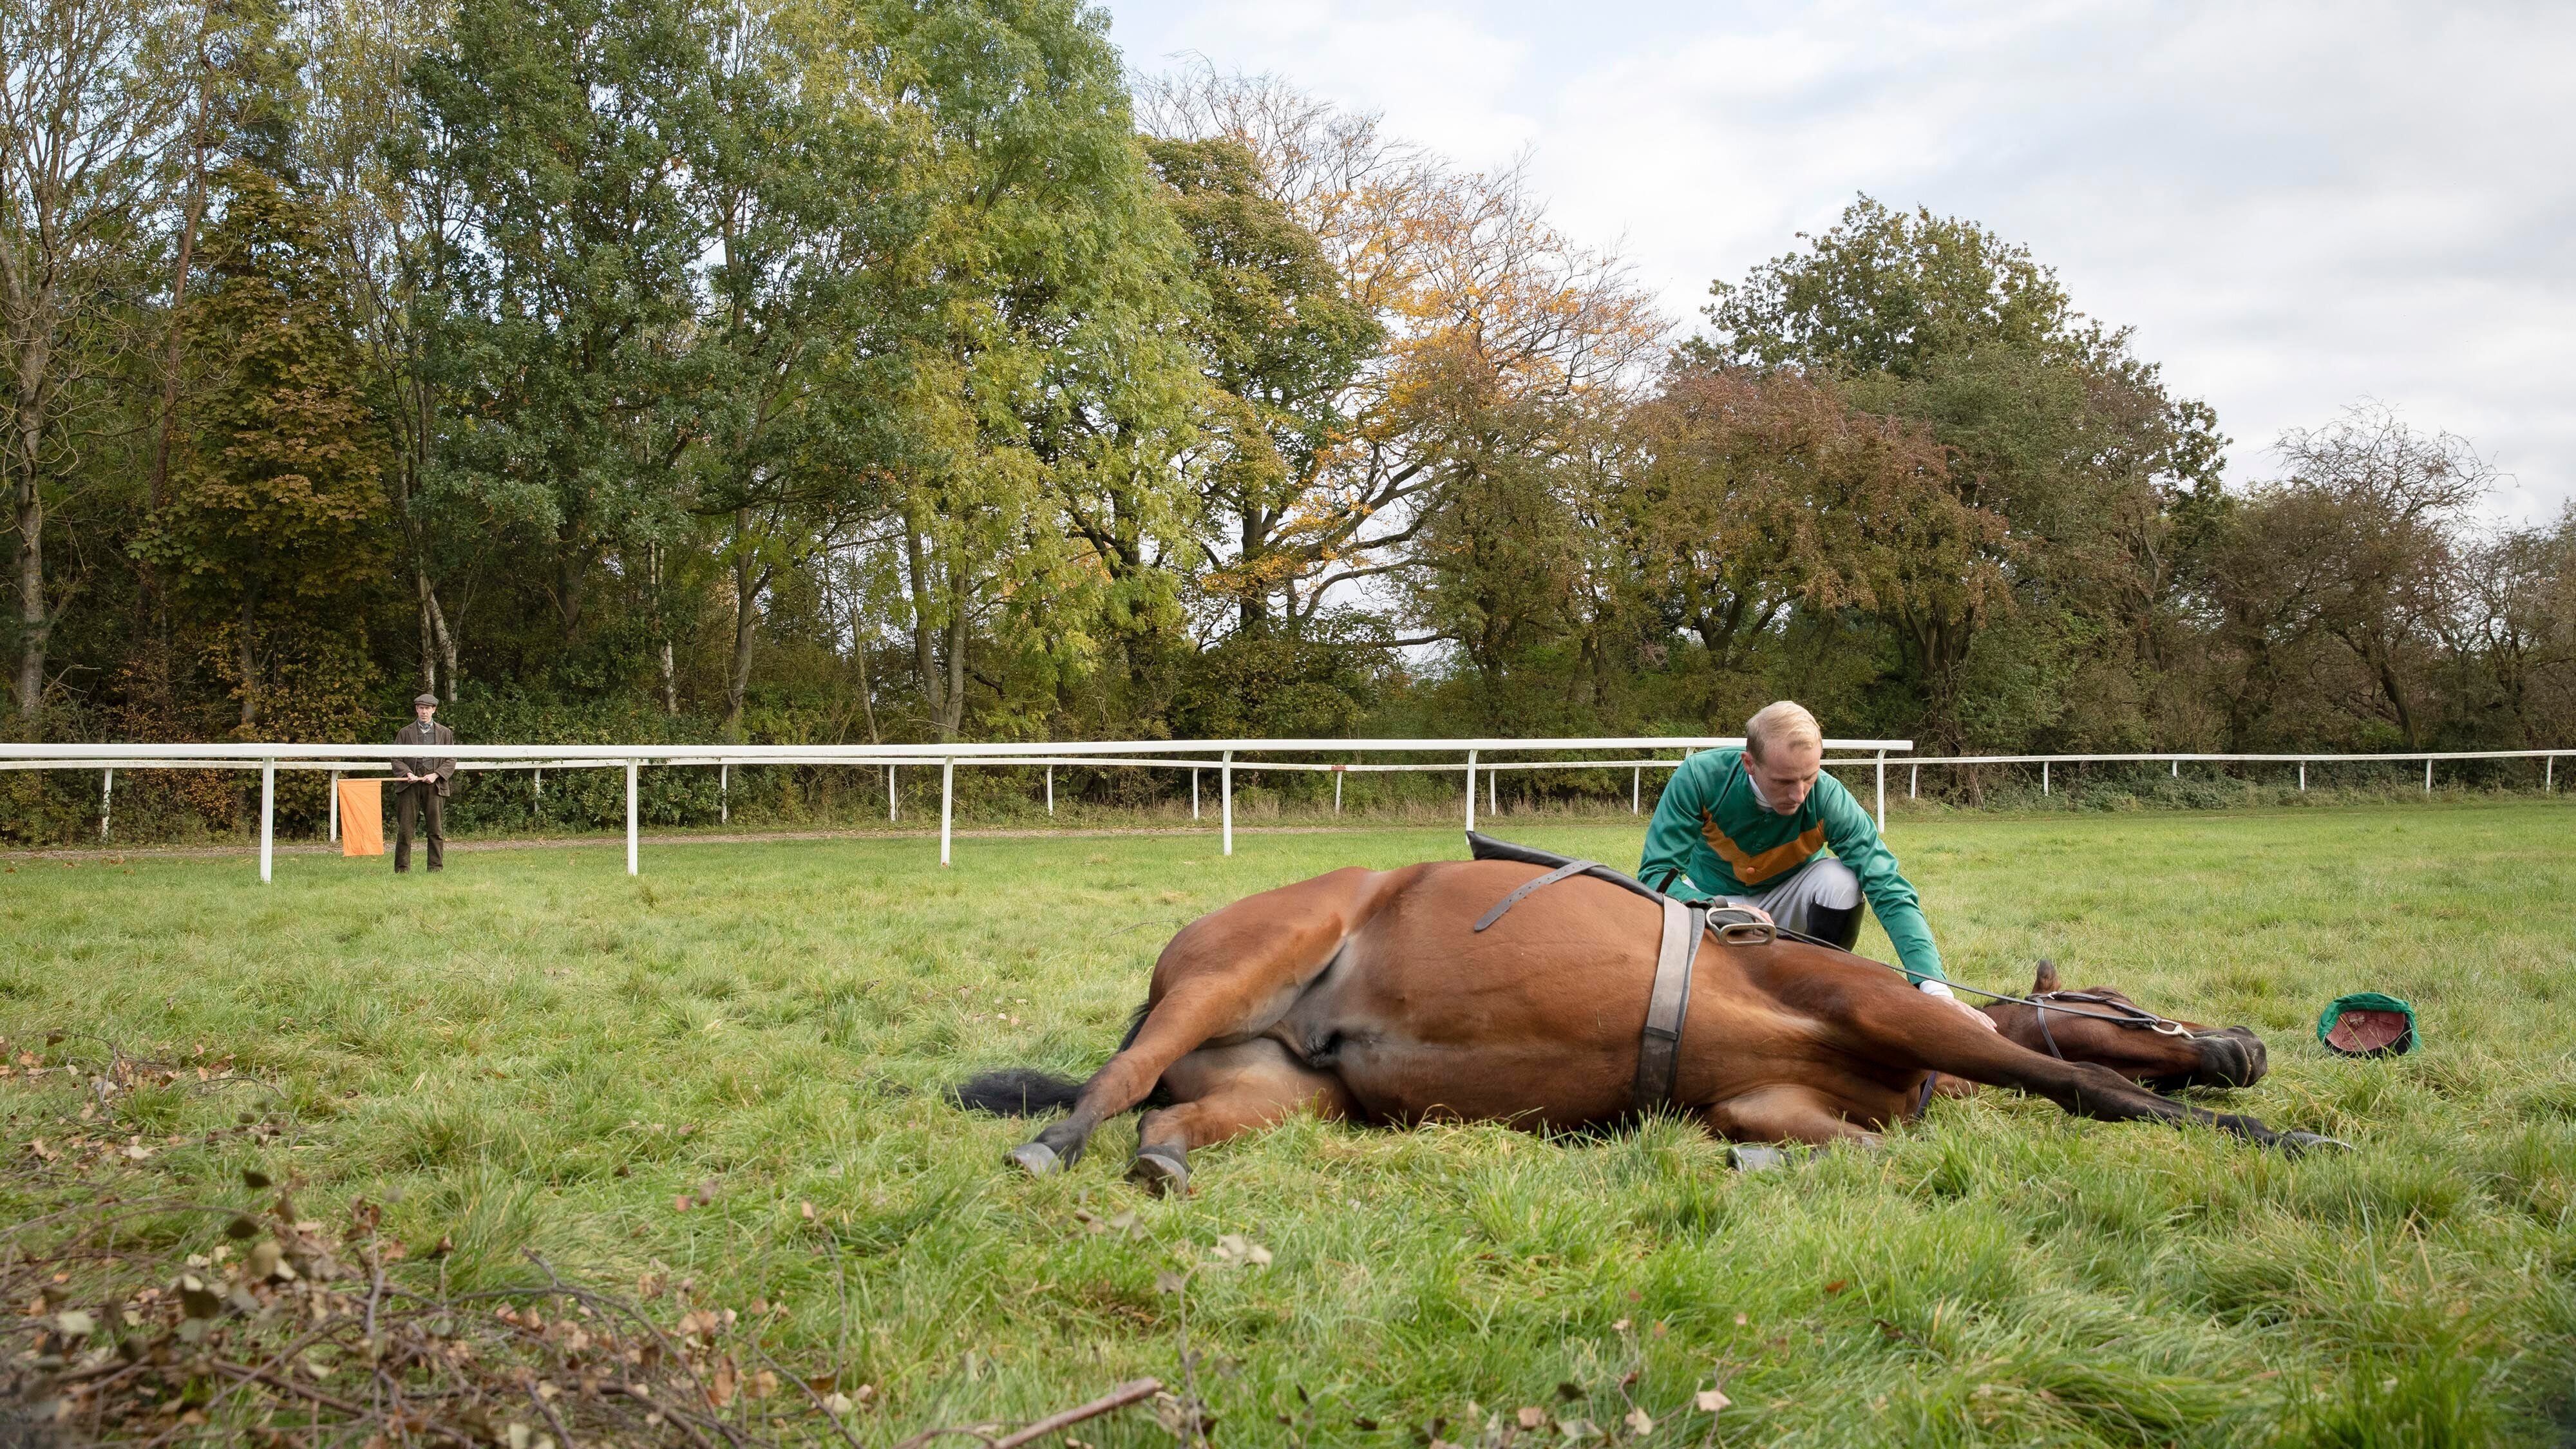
(1838, 924)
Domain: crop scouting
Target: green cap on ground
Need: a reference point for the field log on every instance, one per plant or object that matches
(2367, 1024)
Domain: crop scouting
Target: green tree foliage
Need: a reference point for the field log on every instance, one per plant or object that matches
(808, 370)
(274, 535)
(2098, 475)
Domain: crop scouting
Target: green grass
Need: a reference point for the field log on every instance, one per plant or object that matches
(533, 1051)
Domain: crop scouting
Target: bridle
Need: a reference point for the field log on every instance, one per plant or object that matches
(2131, 1015)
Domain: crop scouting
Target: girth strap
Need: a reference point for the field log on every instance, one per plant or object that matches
(1659, 1046)
(1571, 867)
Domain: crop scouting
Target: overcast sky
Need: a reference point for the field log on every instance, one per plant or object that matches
(2295, 207)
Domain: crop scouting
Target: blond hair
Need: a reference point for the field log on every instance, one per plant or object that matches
(1783, 722)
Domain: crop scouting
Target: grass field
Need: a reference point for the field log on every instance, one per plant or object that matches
(534, 1052)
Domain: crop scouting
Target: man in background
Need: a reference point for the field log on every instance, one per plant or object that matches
(421, 785)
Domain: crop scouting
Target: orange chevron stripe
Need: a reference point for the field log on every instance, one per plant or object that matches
(1753, 870)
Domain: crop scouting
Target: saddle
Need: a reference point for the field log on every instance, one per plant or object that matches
(1685, 925)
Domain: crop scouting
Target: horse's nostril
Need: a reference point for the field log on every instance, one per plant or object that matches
(2232, 1058)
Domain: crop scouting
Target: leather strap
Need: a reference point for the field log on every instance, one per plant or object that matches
(1571, 867)
(1659, 1046)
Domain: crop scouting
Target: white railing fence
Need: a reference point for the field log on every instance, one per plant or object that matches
(1223, 757)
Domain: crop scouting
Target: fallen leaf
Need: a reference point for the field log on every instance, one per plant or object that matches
(1531, 1416)
(1710, 1401)
(1622, 1326)
(1640, 1423)
(74, 1324)
(1836, 1286)
(805, 1210)
(1170, 1282)
(838, 1403)
(1574, 1429)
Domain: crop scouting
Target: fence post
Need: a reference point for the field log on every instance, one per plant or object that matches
(1471, 789)
(267, 814)
(1050, 789)
(1493, 792)
(107, 787)
(1225, 799)
(1882, 792)
(1338, 772)
(630, 818)
(891, 817)
(2177, 768)
(2428, 774)
(335, 811)
(1194, 792)
(1913, 781)
(2303, 775)
(541, 782)
(1637, 791)
(724, 793)
(947, 789)
(2548, 778)
(2043, 777)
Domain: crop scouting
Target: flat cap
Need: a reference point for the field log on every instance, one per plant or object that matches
(428, 699)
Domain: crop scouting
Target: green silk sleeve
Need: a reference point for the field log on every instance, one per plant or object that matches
(1856, 843)
(1674, 834)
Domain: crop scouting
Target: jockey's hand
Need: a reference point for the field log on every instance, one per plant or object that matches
(1942, 992)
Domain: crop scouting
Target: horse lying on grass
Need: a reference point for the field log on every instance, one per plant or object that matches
(1369, 996)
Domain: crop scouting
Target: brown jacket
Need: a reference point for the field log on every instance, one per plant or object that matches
(432, 733)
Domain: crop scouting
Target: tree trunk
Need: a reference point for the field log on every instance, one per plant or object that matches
(35, 624)
(428, 635)
(246, 659)
(670, 670)
(925, 662)
(955, 715)
(747, 589)
(446, 646)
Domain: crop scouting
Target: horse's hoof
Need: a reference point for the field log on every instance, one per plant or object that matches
(1160, 1174)
(1035, 1158)
(2300, 1143)
(1755, 1157)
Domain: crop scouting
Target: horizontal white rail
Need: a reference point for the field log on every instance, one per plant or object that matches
(1196, 756)
(92, 756)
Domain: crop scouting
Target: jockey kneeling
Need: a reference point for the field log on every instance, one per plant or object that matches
(1749, 827)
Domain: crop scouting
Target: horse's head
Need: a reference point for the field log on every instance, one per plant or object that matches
(2101, 1024)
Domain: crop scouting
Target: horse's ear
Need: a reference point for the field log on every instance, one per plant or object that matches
(2046, 980)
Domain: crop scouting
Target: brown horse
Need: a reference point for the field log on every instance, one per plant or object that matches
(1365, 995)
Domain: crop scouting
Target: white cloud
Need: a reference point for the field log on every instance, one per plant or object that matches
(2295, 206)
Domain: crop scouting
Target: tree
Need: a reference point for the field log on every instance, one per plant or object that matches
(2049, 422)
(2350, 558)
(274, 532)
(1046, 391)
(1501, 332)
(1281, 343)
(567, 303)
(86, 113)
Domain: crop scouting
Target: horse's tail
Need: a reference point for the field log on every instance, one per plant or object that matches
(1027, 1091)
(1018, 1092)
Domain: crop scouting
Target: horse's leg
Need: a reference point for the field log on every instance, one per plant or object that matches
(1228, 974)
(1906, 1029)
(1225, 1092)
(1784, 1113)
